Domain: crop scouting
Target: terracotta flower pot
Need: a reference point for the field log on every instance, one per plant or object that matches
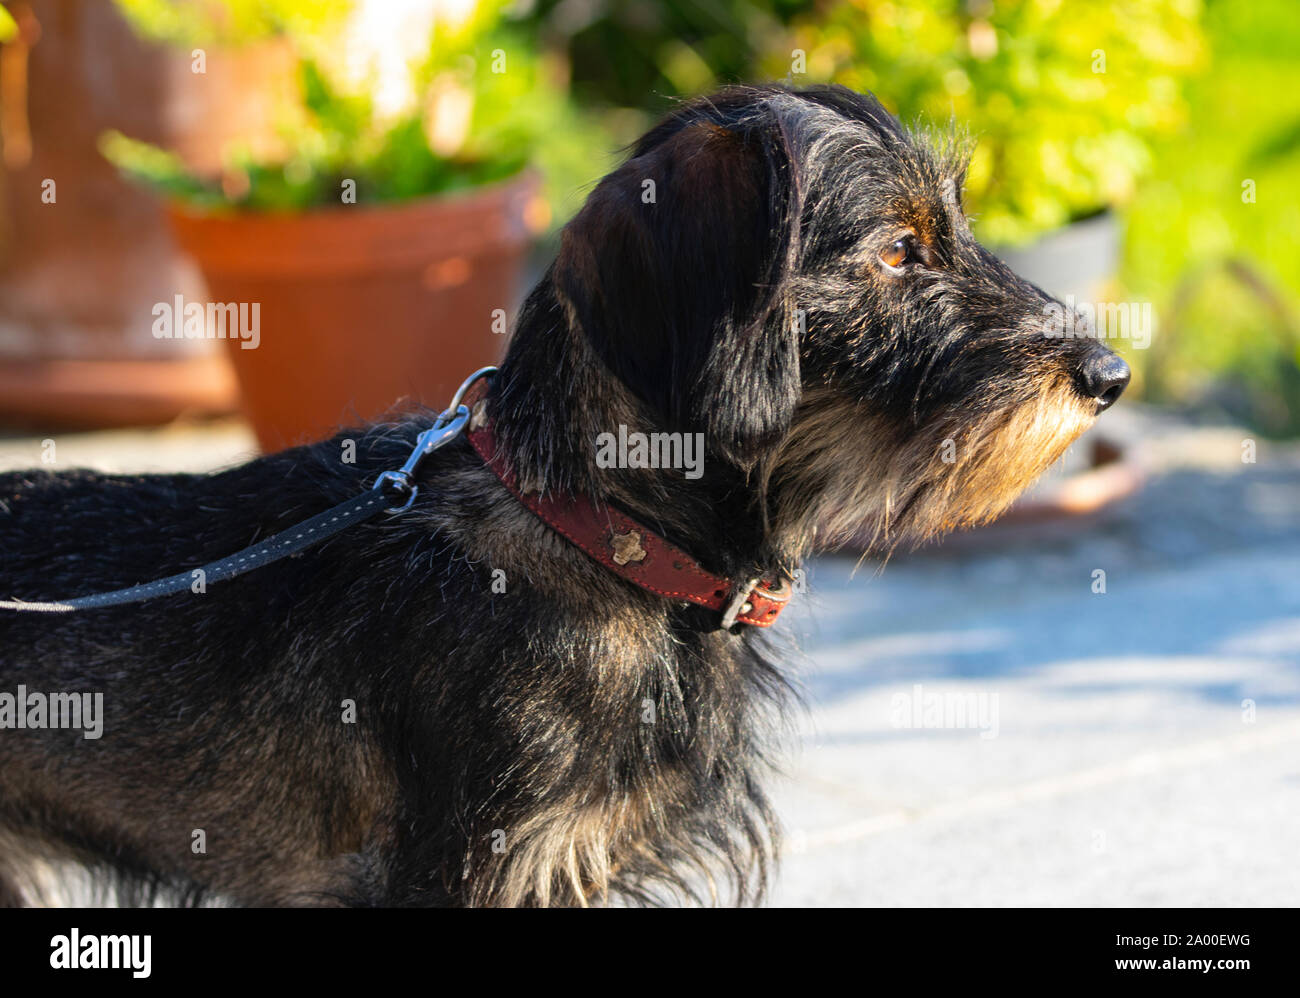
(359, 307)
(80, 272)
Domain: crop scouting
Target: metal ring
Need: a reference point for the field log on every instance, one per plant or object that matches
(401, 483)
(450, 412)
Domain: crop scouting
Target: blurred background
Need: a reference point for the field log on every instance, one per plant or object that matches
(383, 178)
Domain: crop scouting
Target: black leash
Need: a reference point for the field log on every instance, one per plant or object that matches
(389, 485)
(278, 546)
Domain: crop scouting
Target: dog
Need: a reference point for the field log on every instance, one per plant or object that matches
(472, 702)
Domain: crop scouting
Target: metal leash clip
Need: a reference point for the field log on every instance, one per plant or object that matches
(446, 428)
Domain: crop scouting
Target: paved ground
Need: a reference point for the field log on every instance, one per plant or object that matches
(1137, 747)
(1147, 741)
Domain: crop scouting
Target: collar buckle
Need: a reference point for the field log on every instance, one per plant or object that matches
(744, 597)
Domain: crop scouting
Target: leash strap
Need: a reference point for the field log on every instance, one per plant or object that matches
(280, 545)
(398, 484)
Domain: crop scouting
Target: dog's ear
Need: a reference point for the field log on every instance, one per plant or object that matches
(677, 270)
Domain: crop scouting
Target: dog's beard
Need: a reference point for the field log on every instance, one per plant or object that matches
(846, 473)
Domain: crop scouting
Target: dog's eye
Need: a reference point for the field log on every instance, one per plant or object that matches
(902, 252)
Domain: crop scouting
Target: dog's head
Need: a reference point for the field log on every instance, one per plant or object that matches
(791, 273)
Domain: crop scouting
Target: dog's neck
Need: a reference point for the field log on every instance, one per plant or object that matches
(554, 397)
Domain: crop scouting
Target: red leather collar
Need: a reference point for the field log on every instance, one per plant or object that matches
(627, 547)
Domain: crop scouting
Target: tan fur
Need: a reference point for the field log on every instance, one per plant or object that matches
(555, 857)
(843, 470)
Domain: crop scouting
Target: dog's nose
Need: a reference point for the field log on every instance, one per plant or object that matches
(1103, 376)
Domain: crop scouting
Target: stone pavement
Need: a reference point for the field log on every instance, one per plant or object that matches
(1138, 747)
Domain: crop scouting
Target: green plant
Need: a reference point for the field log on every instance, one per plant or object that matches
(1211, 238)
(1063, 99)
(635, 54)
(481, 106)
(228, 22)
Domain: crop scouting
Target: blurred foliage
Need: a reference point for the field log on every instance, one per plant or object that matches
(228, 22)
(634, 54)
(1223, 271)
(513, 102)
(1062, 97)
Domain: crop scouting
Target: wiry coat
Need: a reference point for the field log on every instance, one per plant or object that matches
(571, 738)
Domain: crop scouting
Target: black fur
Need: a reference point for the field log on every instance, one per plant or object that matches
(572, 738)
